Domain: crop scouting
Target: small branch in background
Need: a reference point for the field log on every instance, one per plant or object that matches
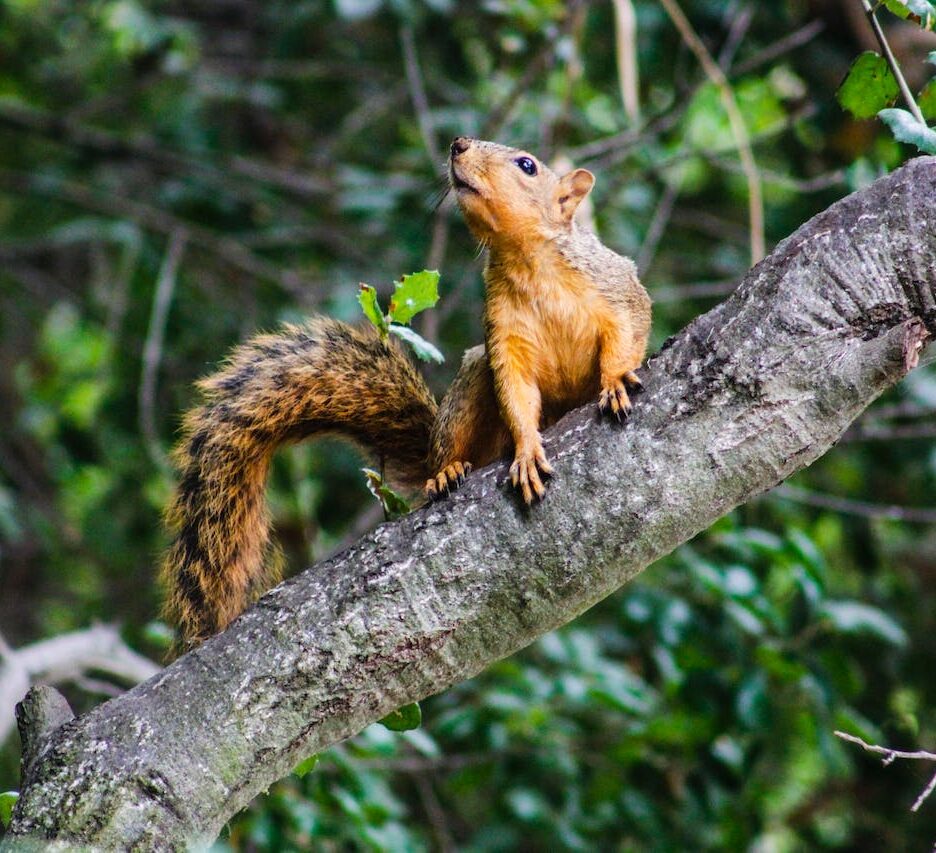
(905, 92)
(827, 180)
(863, 509)
(694, 290)
(874, 425)
(891, 432)
(225, 248)
(738, 129)
(417, 92)
(613, 148)
(535, 66)
(428, 324)
(769, 132)
(657, 227)
(625, 32)
(779, 48)
(367, 519)
(118, 296)
(711, 225)
(152, 350)
(738, 29)
(890, 755)
(300, 185)
(429, 321)
(67, 658)
(435, 813)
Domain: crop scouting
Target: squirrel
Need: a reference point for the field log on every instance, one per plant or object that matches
(565, 320)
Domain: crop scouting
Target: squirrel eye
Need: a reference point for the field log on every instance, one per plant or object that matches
(527, 165)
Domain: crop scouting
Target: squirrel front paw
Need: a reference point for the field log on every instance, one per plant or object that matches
(525, 471)
(447, 480)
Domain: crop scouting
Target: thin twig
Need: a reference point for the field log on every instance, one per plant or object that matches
(835, 178)
(864, 509)
(740, 24)
(223, 247)
(435, 813)
(735, 119)
(301, 185)
(667, 120)
(696, 290)
(625, 32)
(535, 66)
(417, 91)
(779, 48)
(152, 350)
(892, 62)
(657, 227)
(890, 755)
(892, 432)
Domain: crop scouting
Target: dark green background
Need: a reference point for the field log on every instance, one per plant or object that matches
(692, 710)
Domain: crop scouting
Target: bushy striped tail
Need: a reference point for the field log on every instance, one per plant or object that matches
(311, 379)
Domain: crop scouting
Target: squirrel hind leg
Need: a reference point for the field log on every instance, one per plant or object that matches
(447, 480)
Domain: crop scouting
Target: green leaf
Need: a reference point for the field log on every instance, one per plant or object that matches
(414, 293)
(368, 299)
(923, 11)
(307, 766)
(853, 617)
(393, 504)
(868, 87)
(403, 719)
(423, 349)
(926, 100)
(897, 8)
(7, 801)
(907, 129)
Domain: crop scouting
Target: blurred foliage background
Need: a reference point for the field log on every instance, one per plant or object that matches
(175, 176)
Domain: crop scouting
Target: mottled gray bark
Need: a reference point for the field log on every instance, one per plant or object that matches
(742, 398)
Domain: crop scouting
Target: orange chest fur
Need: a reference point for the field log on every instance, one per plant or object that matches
(549, 326)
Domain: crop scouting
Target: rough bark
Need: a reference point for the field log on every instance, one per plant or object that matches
(743, 397)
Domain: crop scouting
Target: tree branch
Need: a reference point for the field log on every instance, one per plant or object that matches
(739, 131)
(746, 395)
(890, 755)
(66, 657)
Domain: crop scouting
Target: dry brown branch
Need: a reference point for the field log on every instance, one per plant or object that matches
(738, 128)
(625, 31)
(849, 506)
(152, 349)
(417, 92)
(891, 755)
(226, 249)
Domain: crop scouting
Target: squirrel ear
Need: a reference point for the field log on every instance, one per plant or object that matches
(573, 187)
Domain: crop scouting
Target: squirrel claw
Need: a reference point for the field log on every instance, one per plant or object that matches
(525, 473)
(614, 401)
(447, 480)
(632, 381)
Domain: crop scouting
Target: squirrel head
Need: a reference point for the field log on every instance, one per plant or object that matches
(509, 197)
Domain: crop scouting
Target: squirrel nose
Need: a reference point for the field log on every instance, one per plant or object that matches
(460, 145)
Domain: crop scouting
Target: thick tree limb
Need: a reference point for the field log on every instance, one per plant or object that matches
(743, 397)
